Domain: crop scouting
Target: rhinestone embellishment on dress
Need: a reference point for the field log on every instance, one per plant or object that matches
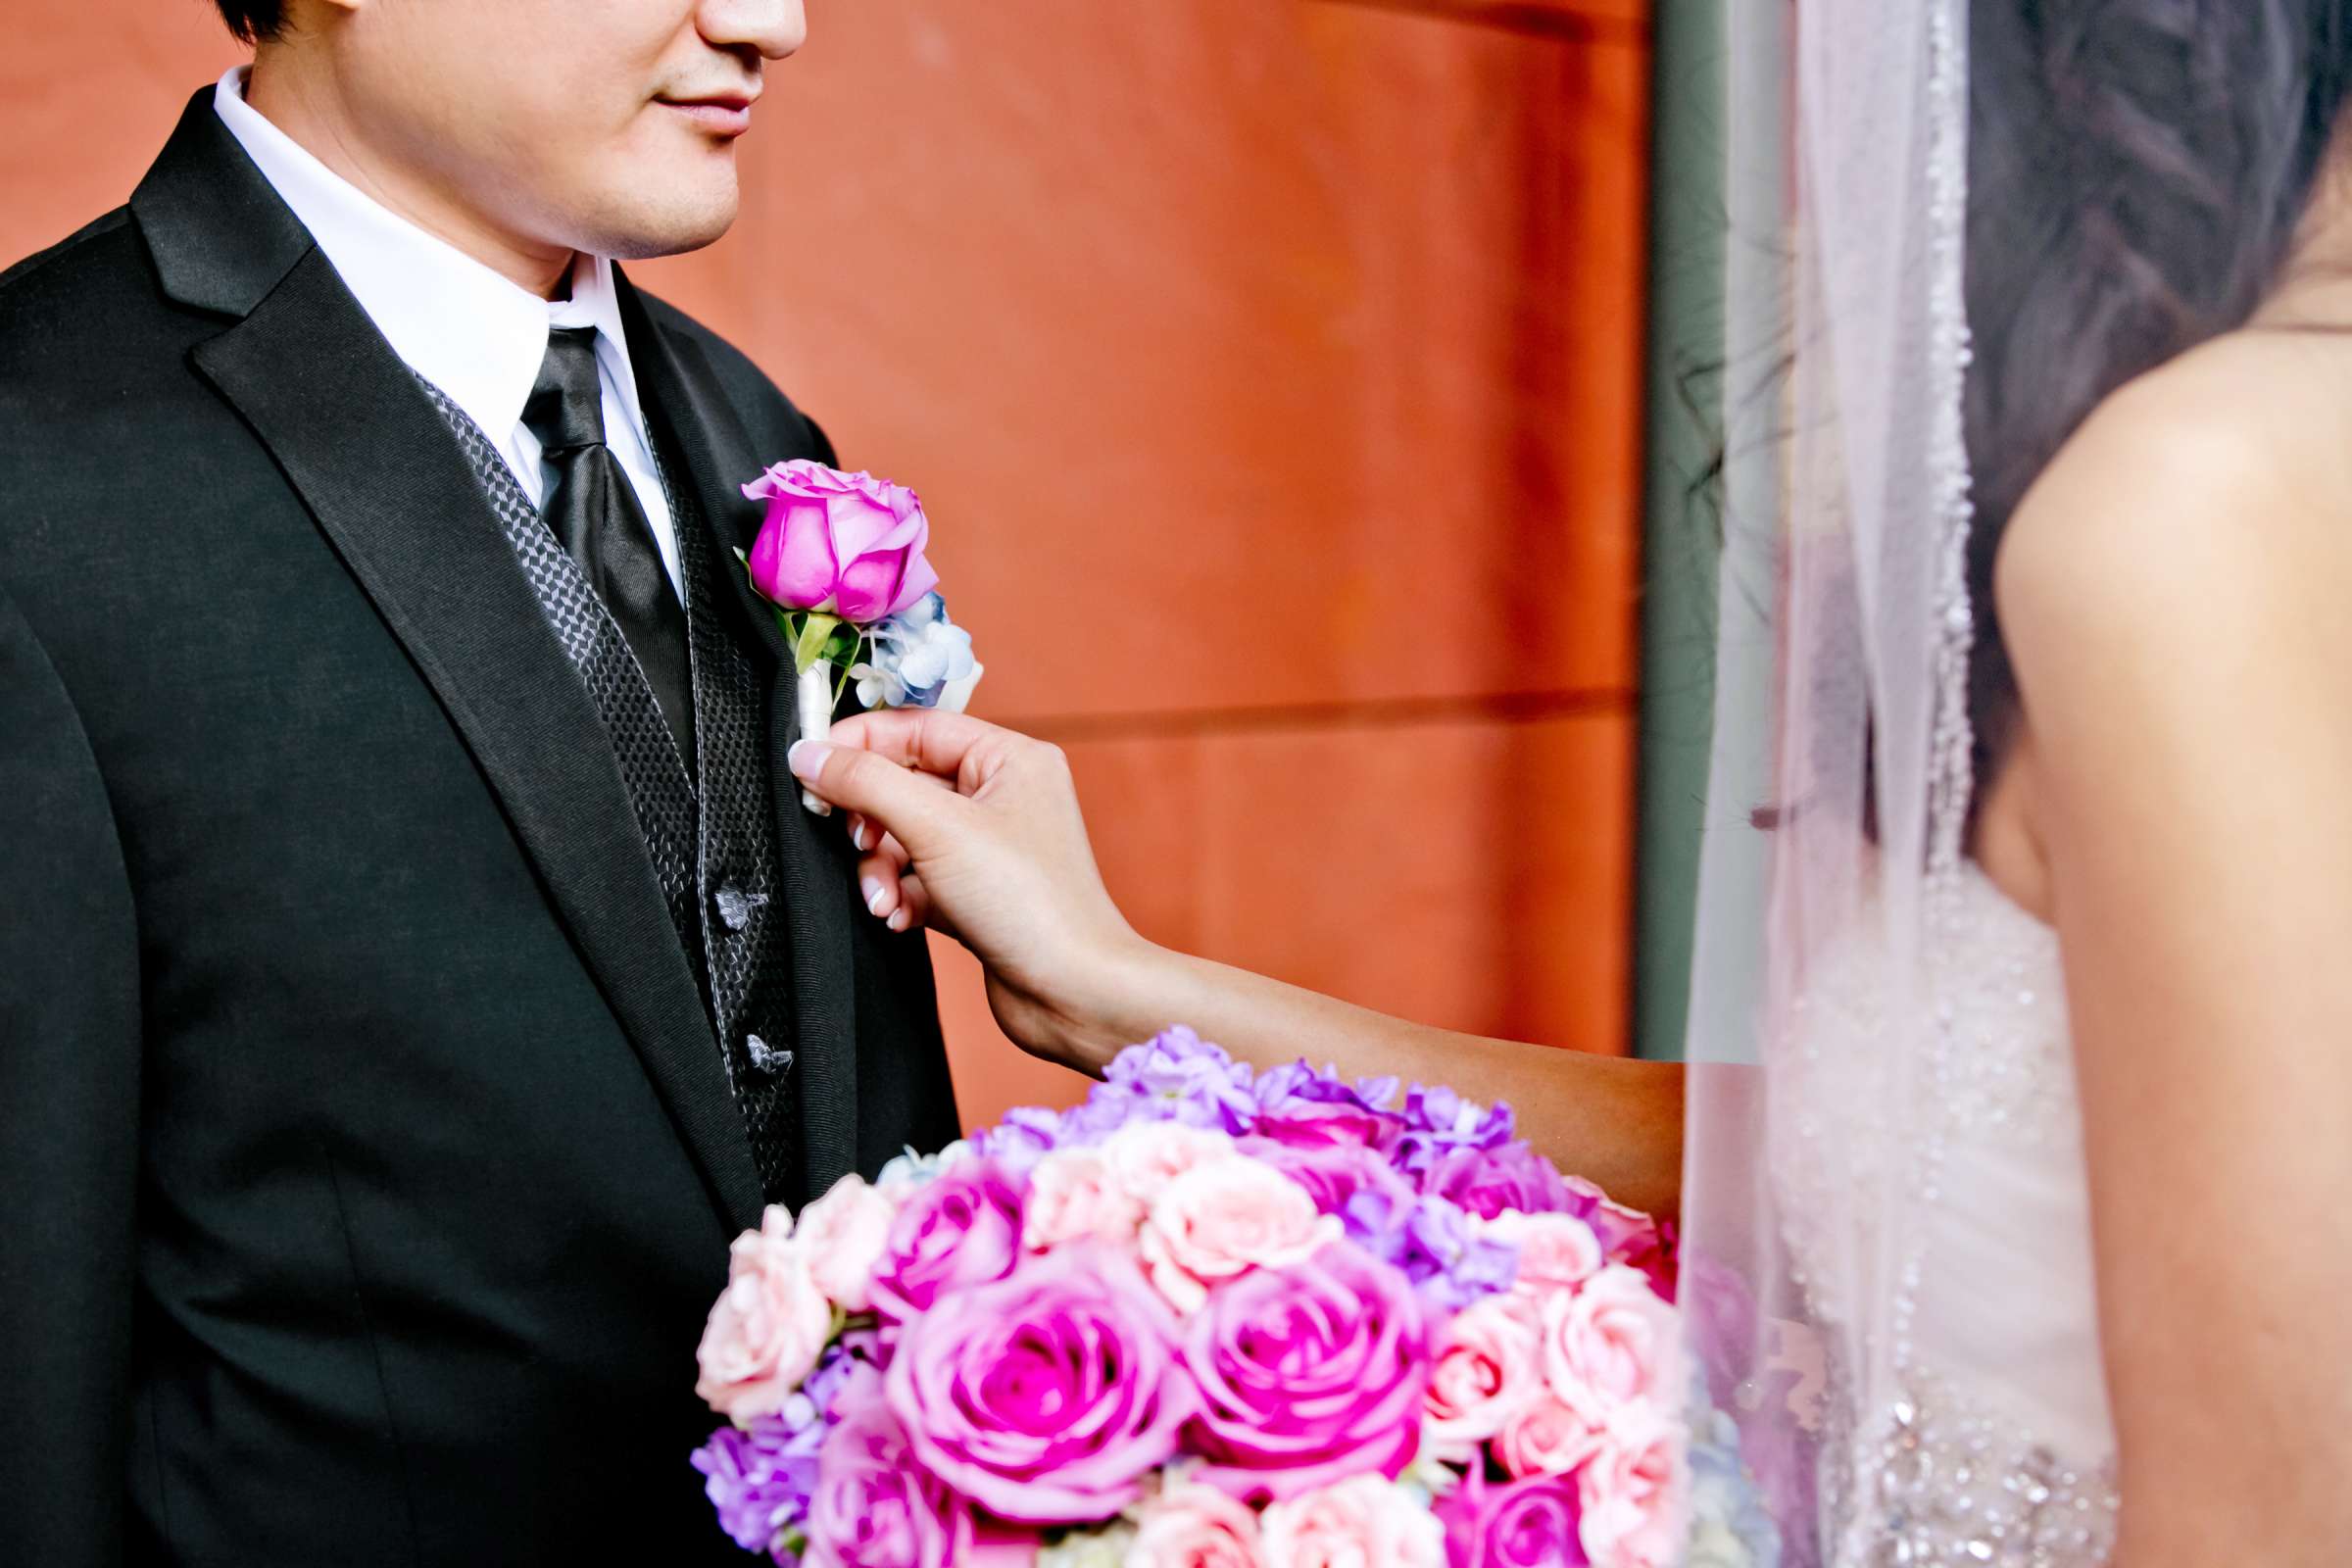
(1957, 1487)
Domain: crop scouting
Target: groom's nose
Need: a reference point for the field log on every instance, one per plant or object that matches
(774, 28)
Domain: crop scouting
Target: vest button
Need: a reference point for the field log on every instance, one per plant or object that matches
(766, 1058)
(736, 907)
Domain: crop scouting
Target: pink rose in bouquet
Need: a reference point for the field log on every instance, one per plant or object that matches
(845, 544)
(1049, 1397)
(1362, 1521)
(962, 1228)
(1610, 1343)
(1189, 1525)
(1631, 1493)
(1148, 1156)
(845, 1233)
(1534, 1523)
(1223, 1219)
(1309, 1374)
(768, 1328)
(1075, 1195)
(873, 1505)
(1543, 1438)
(1489, 1366)
(1556, 1251)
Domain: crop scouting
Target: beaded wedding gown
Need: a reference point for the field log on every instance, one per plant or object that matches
(1991, 1443)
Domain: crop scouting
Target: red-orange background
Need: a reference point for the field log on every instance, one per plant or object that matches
(1270, 369)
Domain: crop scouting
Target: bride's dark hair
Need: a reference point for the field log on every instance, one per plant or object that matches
(2138, 169)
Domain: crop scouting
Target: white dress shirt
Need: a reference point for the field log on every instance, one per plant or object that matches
(478, 336)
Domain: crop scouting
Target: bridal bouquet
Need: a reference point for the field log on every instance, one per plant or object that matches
(1209, 1318)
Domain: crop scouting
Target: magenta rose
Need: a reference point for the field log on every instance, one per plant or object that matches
(1308, 1373)
(1046, 1396)
(1487, 1182)
(1334, 1173)
(962, 1228)
(874, 1506)
(846, 544)
(1297, 1105)
(1526, 1524)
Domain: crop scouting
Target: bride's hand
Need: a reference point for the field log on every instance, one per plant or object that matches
(975, 831)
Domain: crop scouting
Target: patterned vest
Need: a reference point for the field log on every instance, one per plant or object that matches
(709, 833)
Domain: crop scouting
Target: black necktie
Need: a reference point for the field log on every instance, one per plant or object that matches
(592, 513)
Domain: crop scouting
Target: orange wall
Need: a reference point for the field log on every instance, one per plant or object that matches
(1270, 369)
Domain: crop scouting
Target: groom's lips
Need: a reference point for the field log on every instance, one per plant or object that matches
(728, 113)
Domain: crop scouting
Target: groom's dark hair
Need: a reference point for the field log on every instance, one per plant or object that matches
(253, 19)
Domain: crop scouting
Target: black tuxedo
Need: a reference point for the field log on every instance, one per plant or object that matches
(367, 1150)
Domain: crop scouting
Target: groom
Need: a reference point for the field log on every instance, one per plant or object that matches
(415, 966)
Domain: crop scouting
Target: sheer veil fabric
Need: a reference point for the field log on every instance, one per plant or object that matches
(1838, 826)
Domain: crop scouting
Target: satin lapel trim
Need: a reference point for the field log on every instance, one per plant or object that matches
(682, 398)
(405, 511)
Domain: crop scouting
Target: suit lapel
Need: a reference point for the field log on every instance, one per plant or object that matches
(692, 417)
(396, 496)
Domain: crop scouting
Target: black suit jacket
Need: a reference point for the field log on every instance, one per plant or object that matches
(365, 1156)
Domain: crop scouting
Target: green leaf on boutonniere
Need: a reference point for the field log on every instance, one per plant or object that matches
(812, 640)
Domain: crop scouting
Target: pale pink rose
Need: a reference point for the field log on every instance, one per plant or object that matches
(768, 1327)
(1190, 1525)
(1145, 1156)
(1074, 1197)
(1543, 1438)
(1554, 1249)
(1610, 1342)
(1219, 1219)
(844, 1234)
(1362, 1522)
(1488, 1365)
(1633, 1491)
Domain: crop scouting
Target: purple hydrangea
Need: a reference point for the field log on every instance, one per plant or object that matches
(760, 1478)
(1026, 1134)
(1432, 1241)
(1176, 1077)
(1438, 1121)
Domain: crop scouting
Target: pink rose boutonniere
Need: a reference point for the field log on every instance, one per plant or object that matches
(842, 557)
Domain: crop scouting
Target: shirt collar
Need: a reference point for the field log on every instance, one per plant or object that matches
(467, 330)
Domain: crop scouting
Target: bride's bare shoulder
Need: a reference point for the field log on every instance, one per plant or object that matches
(2196, 503)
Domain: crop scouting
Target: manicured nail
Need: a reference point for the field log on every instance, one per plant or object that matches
(874, 893)
(864, 836)
(897, 921)
(807, 760)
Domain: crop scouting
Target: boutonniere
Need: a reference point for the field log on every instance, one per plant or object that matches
(841, 556)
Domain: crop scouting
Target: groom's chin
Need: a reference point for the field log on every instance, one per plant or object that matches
(680, 219)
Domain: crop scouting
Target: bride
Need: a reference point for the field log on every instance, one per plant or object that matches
(2024, 1239)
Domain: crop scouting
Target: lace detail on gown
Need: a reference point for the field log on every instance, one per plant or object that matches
(1993, 1443)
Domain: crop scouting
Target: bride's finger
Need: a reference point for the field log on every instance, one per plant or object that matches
(879, 872)
(914, 904)
(925, 739)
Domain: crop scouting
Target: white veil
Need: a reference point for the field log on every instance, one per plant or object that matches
(1844, 814)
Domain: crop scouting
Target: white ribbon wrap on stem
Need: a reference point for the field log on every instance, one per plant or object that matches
(815, 700)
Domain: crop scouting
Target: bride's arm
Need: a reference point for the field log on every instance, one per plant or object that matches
(2179, 610)
(1001, 860)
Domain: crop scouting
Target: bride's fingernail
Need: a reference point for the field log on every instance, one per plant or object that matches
(807, 760)
(897, 921)
(863, 835)
(875, 893)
